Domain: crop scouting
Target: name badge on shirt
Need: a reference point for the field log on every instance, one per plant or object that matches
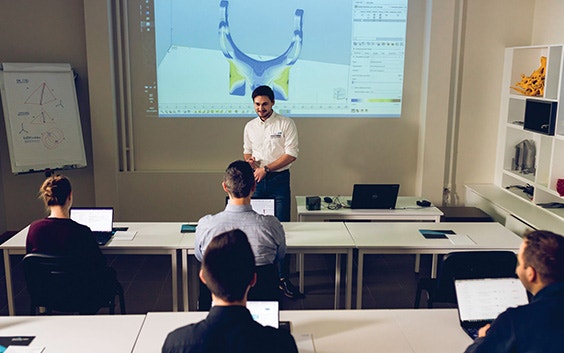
(276, 135)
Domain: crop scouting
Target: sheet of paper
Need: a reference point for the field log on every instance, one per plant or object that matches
(304, 341)
(124, 235)
(460, 239)
(24, 349)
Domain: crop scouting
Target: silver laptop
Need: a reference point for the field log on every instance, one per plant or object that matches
(480, 301)
(100, 220)
(262, 206)
(266, 313)
(374, 196)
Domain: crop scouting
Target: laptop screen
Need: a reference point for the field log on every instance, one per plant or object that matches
(98, 219)
(484, 299)
(265, 207)
(265, 313)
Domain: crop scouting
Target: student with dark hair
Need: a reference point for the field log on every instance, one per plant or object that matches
(539, 325)
(59, 235)
(270, 146)
(228, 269)
(265, 233)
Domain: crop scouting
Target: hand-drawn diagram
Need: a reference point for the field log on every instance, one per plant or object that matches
(244, 69)
(53, 138)
(42, 117)
(42, 96)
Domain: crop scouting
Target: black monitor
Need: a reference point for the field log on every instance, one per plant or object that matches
(540, 116)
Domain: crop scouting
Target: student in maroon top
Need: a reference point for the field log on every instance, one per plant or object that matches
(57, 234)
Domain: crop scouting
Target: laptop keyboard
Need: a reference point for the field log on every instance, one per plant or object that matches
(472, 331)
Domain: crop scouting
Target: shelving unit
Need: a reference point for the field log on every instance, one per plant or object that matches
(549, 157)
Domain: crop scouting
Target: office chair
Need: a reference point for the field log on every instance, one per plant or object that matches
(464, 265)
(59, 284)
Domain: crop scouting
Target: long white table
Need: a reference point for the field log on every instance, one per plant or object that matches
(406, 210)
(301, 239)
(342, 330)
(162, 238)
(405, 238)
(71, 334)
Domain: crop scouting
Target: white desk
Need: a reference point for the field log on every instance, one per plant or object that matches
(404, 238)
(419, 331)
(71, 334)
(301, 239)
(406, 210)
(322, 238)
(151, 239)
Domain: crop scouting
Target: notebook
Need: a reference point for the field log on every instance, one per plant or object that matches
(374, 196)
(262, 206)
(480, 301)
(99, 219)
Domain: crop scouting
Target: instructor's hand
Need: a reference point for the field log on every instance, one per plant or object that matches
(259, 174)
(252, 162)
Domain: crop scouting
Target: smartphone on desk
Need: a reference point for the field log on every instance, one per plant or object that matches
(188, 228)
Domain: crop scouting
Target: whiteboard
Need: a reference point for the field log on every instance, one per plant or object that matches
(41, 116)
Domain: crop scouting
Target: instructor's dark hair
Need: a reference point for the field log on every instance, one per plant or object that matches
(263, 91)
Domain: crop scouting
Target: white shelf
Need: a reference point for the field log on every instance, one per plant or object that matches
(549, 150)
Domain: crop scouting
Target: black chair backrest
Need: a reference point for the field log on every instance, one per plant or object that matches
(470, 265)
(58, 283)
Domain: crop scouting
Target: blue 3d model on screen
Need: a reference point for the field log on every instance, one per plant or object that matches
(246, 71)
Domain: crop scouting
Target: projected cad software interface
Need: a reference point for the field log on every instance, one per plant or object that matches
(322, 59)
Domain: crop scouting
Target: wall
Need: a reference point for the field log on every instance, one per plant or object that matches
(333, 156)
(334, 153)
(548, 26)
(490, 26)
(42, 31)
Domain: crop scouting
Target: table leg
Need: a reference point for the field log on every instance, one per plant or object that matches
(359, 280)
(184, 279)
(417, 262)
(434, 264)
(9, 291)
(174, 271)
(300, 260)
(337, 280)
(348, 280)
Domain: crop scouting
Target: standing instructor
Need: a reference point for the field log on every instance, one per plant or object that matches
(270, 145)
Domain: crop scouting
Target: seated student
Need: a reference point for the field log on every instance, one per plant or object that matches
(539, 325)
(59, 235)
(265, 233)
(228, 269)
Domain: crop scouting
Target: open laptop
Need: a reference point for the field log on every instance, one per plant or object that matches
(99, 219)
(374, 196)
(480, 301)
(264, 206)
(266, 313)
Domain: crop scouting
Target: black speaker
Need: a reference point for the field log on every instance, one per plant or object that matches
(313, 203)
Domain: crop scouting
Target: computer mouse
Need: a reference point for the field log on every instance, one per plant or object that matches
(423, 203)
(328, 199)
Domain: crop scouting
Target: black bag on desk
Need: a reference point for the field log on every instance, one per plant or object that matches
(524, 160)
